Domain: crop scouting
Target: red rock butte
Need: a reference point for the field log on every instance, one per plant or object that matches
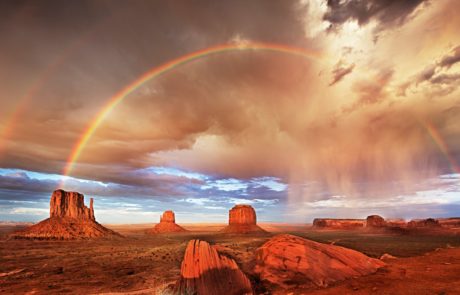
(69, 219)
(375, 221)
(205, 272)
(289, 262)
(338, 223)
(167, 224)
(242, 219)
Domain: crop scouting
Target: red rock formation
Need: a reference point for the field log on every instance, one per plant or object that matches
(396, 222)
(449, 222)
(429, 222)
(167, 224)
(289, 261)
(69, 219)
(242, 214)
(338, 223)
(70, 204)
(375, 221)
(204, 271)
(242, 219)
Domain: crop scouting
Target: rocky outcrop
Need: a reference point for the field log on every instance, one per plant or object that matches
(69, 219)
(242, 219)
(375, 221)
(396, 222)
(70, 204)
(426, 223)
(338, 223)
(204, 271)
(288, 261)
(449, 222)
(167, 224)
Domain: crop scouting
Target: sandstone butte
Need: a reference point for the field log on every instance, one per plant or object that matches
(338, 223)
(69, 219)
(375, 221)
(429, 222)
(242, 219)
(167, 224)
(288, 261)
(205, 272)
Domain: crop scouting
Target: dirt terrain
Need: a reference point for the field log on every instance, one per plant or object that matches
(147, 264)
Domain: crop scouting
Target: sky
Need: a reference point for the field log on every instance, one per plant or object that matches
(343, 109)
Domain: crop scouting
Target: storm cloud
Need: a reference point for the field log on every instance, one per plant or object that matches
(267, 127)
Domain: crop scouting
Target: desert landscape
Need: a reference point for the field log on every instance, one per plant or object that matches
(230, 147)
(322, 258)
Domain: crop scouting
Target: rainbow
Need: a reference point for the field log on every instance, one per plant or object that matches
(168, 66)
(439, 141)
(13, 117)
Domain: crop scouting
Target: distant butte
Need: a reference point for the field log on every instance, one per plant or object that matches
(338, 223)
(167, 224)
(69, 219)
(375, 221)
(242, 219)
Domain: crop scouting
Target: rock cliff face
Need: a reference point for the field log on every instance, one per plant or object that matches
(289, 261)
(70, 204)
(205, 272)
(338, 223)
(242, 219)
(375, 221)
(242, 214)
(167, 224)
(69, 219)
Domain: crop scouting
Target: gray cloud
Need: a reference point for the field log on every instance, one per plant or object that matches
(387, 12)
(340, 71)
(451, 59)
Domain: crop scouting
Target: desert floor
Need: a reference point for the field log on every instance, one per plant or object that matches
(146, 264)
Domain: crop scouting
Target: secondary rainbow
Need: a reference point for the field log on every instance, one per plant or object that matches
(437, 138)
(161, 69)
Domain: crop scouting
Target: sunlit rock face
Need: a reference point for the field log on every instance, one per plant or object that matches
(205, 272)
(167, 224)
(242, 219)
(70, 204)
(242, 214)
(69, 219)
(168, 216)
(288, 261)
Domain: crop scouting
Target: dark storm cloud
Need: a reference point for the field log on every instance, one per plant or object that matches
(340, 71)
(232, 117)
(387, 12)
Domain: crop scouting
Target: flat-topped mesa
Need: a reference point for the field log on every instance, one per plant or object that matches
(70, 204)
(167, 224)
(205, 272)
(242, 219)
(338, 223)
(242, 214)
(427, 223)
(69, 219)
(168, 216)
(375, 221)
